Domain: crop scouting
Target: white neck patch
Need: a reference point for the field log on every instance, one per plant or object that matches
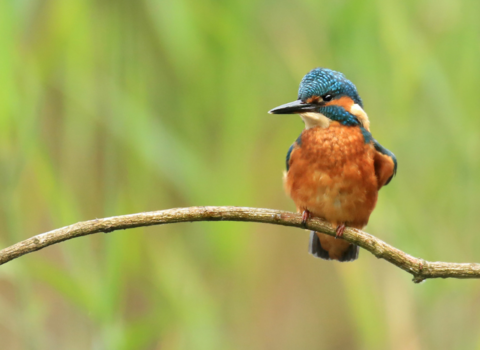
(362, 117)
(313, 119)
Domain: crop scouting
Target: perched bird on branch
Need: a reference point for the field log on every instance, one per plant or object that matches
(335, 167)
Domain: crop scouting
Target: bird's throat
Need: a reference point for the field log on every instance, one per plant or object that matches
(313, 119)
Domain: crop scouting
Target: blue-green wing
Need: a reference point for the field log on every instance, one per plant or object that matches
(385, 164)
(297, 143)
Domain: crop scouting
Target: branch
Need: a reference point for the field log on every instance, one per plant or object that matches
(419, 268)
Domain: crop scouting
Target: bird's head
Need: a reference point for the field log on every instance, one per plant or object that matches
(325, 96)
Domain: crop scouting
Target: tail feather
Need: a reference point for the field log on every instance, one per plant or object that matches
(351, 254)
(315, 248)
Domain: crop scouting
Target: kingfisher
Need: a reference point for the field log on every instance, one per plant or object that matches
(335, 168)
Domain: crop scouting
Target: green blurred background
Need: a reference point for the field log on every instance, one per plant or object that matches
(111, 107)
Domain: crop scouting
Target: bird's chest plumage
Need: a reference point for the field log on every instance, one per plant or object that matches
(332, 174)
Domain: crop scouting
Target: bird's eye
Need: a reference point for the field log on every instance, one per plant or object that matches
(327, 98)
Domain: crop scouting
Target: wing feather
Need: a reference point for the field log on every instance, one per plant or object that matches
(385, 164)
(297, 143)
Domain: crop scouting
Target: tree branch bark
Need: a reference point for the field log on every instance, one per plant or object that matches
(419, 268)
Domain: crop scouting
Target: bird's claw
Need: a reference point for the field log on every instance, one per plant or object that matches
(305, 216)
(339, 231)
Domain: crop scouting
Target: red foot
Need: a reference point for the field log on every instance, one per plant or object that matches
(339, 231)
(305, 216)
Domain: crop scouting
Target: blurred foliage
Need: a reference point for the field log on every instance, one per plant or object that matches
(113, 107)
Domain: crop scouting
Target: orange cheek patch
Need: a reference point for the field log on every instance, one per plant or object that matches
(313, 99)
(344, 101)
(349, 105)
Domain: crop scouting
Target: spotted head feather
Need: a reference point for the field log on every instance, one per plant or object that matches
(323, 81)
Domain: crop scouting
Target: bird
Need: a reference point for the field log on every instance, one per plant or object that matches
(335, 168)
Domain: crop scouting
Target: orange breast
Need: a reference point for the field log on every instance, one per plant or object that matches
(332, 174)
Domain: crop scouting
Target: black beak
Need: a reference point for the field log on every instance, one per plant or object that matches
(292, 108)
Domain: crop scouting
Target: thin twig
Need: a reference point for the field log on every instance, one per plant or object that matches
(419, 268)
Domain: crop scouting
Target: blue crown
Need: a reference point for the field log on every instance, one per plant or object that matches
(323, 81)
